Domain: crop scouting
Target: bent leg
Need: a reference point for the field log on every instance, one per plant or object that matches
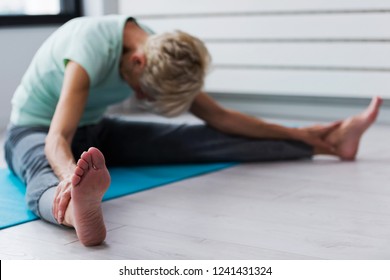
(24, 149)
(24, 152)
(126, 142)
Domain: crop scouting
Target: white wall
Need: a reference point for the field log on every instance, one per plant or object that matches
(327, 48)
(320, 48)
(100, 7)
(18, 45)
(17, 48)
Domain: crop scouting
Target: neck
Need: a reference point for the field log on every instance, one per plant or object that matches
(134, 37)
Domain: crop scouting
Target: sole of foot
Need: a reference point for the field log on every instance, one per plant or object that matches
(90, 181)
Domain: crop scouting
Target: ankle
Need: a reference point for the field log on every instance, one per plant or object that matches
(68, 217)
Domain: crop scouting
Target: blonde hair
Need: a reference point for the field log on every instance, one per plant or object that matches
(176, 66)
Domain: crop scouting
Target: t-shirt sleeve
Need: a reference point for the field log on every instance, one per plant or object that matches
(91, 51)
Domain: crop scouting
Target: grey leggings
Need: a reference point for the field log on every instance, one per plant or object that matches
(126, 143)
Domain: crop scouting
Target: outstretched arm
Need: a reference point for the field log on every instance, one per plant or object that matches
(67, 115)
(233, 122)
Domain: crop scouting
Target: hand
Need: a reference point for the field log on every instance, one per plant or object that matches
(61, 199)
(316, 135)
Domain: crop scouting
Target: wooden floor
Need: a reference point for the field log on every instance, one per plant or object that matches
(320, 209)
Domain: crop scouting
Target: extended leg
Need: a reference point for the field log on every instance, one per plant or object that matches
(127, 142)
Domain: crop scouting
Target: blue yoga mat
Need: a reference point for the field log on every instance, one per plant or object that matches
(124, 181)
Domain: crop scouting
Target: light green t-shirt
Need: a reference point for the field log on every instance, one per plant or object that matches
(93, 42)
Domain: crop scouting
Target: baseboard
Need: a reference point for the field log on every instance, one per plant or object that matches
(287, 107)
(299, 107)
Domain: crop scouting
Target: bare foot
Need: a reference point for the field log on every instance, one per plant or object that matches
(90, 181)
(347, 137)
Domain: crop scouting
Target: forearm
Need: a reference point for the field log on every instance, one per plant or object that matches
(70, 108)
(59, 154)
(236, 123)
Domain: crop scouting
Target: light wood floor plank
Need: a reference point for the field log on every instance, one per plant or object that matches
(310, 209)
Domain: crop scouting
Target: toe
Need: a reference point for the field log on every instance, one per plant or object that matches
(82, 164)
(79, 171)
(75, 180)
(86, 156)
(98, 160)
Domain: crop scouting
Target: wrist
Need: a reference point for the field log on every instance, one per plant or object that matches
(67, 173)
